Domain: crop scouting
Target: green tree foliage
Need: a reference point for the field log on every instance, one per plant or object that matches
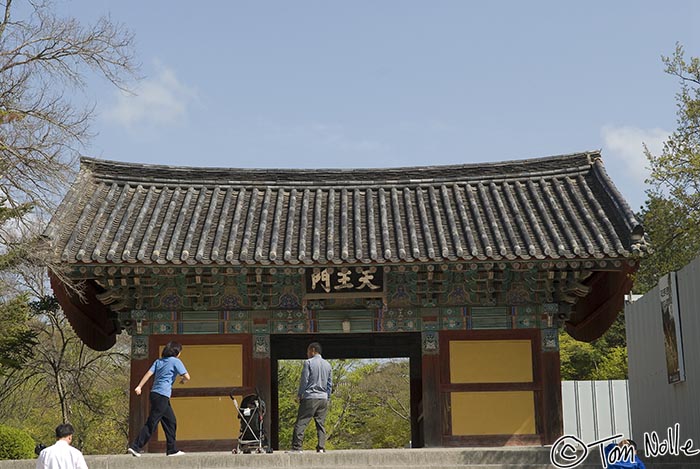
(16, 338)
(44, 60)
(46, 375)
(671, 217)
(671, 214)
(14, 253)
(387, 408)
(613, 365)
(370, 405)
(65, 381)
(288, 374)
(578, 359)
(15, 443)
(605, 358)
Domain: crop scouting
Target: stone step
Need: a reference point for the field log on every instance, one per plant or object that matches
(403, 458)
(428, 458)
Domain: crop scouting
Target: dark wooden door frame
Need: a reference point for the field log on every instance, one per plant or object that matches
(351, 345)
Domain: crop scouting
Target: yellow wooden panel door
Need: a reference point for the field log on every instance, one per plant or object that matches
(493, 413)
(205, 418)
(213, 366)
(490, 361)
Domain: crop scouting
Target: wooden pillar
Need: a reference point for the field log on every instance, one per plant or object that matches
(416, 393)
(552, 419)
(432, 398)
(138, 405)
(273, 409)
(262, 378)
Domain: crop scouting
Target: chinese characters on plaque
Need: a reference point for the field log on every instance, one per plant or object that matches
(330, 280)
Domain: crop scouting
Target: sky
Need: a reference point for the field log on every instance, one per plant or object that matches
(330, 84)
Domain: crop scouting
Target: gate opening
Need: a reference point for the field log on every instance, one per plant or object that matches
(364, 364)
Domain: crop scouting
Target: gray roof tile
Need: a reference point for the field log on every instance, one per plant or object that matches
(546, 208)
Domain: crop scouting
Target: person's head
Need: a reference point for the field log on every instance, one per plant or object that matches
(171, 349)
(313, 349)
(65, 432)
(629, 442)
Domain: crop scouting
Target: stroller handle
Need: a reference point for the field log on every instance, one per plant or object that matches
(233, 398)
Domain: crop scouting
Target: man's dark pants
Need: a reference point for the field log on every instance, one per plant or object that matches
(308, 409)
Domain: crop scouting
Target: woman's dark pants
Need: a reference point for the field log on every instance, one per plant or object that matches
(161, 411)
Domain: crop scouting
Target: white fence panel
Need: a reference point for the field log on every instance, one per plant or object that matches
(596, 409)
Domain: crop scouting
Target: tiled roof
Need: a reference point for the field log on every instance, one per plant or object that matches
(546, 208)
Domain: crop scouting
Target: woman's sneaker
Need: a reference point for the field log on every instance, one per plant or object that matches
(179, 453)
(133, 452)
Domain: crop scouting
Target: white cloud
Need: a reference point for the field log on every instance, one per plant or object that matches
(159, 101)
(625, 160)
(626, 144)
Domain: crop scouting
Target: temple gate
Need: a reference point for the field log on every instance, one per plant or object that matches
(467, 270)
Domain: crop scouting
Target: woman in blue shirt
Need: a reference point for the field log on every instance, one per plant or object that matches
(166, 370)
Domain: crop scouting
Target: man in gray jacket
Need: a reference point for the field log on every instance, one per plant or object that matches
(313, 396)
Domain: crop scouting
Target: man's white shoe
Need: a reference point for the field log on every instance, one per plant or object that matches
(179, 453)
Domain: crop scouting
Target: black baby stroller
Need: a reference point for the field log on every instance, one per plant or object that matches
(252, 437)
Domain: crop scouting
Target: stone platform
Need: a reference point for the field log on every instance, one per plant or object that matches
(427, 458)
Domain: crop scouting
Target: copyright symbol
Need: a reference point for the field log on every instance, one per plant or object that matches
(568, 451)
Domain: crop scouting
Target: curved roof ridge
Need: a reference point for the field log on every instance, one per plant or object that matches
(184, 175)
(569, 203)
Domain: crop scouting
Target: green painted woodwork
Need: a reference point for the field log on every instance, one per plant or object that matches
(400, 320)
(242, 300)
(187, 327)
(345, 321)
(490, 318)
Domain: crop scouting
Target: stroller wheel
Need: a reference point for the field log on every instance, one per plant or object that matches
(259, 451)
(234, 450)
